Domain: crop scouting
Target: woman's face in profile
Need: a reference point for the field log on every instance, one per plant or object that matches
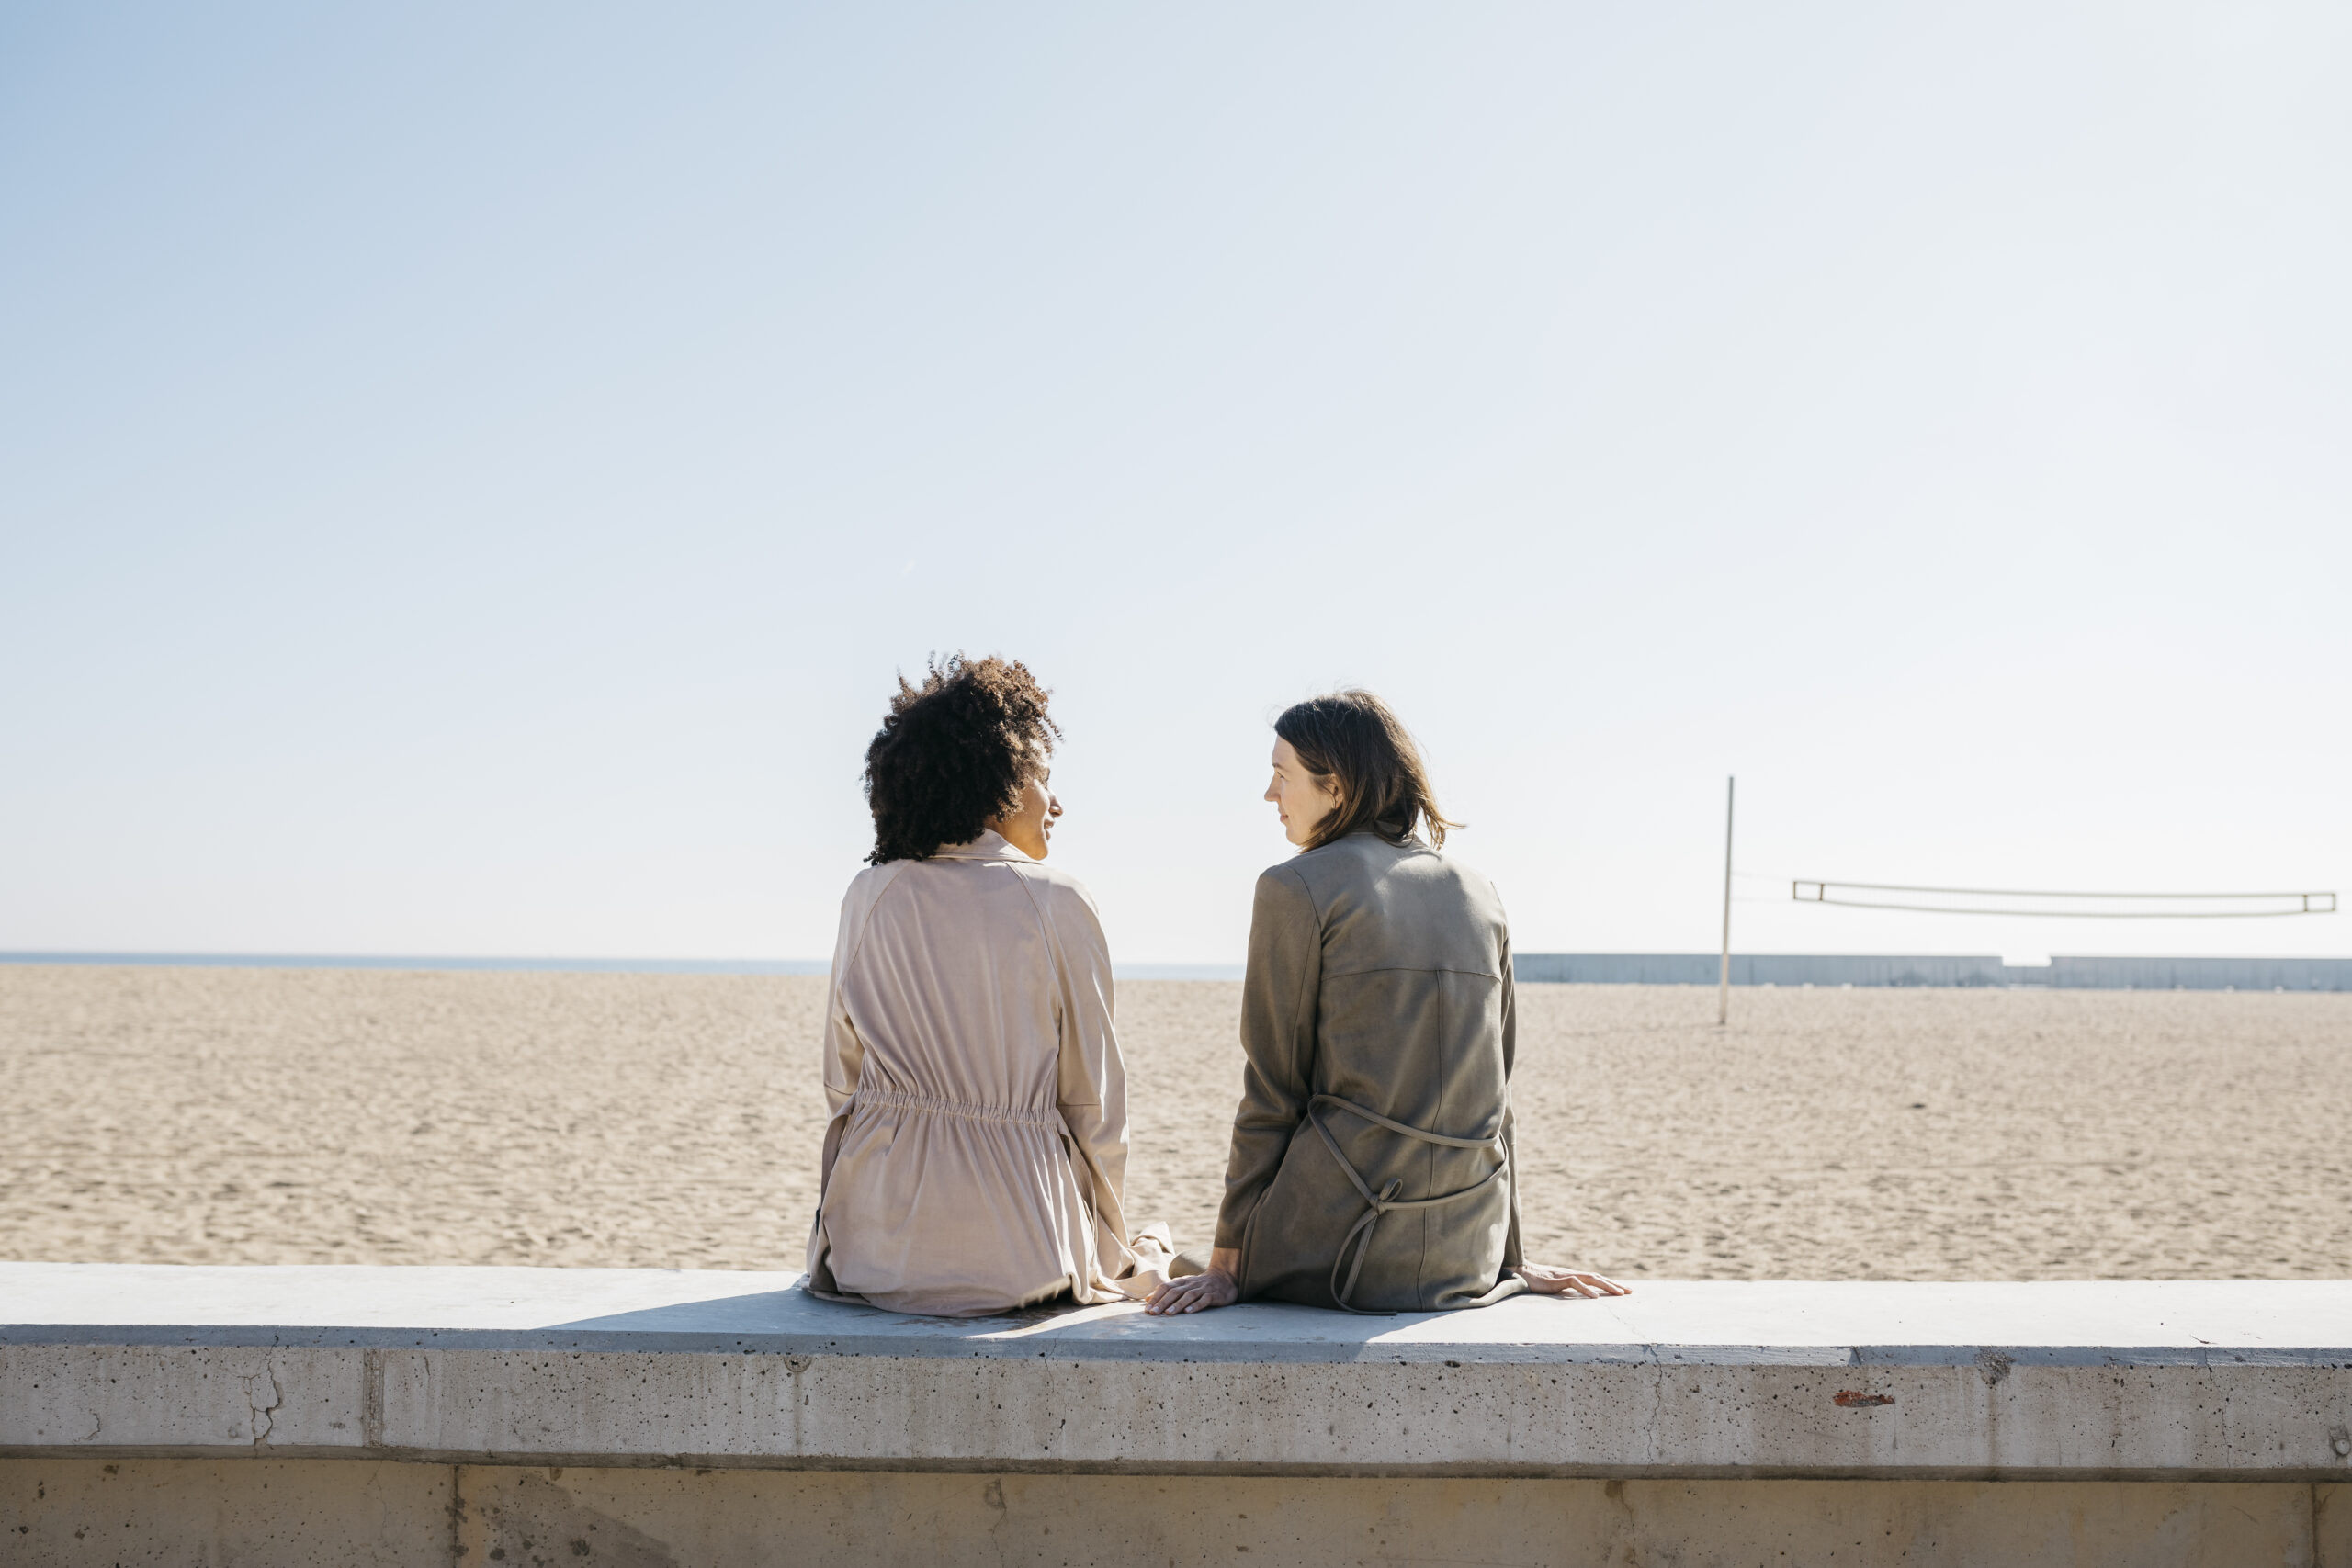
(1299, 797)
(1029, 825)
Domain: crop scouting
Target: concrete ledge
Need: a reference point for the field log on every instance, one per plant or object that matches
(2231, 1381)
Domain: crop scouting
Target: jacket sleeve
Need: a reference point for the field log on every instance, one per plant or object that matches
(1511, 1257)
(840, 1062)
(1090, 1088)
(1280, 993)
(842, 1056)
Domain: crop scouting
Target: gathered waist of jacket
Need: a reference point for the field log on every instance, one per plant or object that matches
(1049, 1119)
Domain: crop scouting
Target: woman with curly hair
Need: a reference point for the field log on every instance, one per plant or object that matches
(978, 1141)
(1371, 1164)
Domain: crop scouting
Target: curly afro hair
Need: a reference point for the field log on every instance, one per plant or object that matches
(953, 753)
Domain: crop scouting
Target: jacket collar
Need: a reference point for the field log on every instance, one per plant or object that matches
(990, 845)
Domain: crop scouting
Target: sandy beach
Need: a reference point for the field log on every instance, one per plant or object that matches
(308, 1116)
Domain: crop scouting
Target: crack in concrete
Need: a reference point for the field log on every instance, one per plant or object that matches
(259, 1413)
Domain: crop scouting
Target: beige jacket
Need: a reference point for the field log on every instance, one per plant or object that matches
(1372, 1154)
(978, 1140)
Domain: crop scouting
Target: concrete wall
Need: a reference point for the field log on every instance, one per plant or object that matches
(520, 1415)
(58, 1512)
(1820, 969)
(2204, 974)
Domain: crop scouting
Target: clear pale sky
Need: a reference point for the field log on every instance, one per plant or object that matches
(470, 475)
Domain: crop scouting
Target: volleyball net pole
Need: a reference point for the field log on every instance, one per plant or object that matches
(1723, 981)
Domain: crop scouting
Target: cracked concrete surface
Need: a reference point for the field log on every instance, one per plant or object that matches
(261, 1410)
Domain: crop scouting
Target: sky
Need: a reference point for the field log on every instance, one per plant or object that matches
(470, 477)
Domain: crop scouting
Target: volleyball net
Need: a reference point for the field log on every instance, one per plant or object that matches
(2071, 905)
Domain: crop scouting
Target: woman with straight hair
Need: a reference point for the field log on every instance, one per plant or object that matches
(1372, 1165)
(978, 1141)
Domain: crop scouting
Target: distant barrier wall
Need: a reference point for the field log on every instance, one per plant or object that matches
(1875, 969)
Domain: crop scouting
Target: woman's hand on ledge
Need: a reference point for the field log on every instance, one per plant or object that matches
(1546, 1280)
(1194, 1292)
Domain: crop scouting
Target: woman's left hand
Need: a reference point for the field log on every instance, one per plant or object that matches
(1194, 1292)
(1546, 1280)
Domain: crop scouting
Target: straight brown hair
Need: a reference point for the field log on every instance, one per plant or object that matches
(1351, 739)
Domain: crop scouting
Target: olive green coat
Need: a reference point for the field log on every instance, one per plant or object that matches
(1379, 983)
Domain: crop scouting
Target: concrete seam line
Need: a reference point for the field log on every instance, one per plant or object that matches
(897, 1465)
(457, 1515)
(372, 1399)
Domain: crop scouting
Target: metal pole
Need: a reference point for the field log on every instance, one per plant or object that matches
(1722, 987)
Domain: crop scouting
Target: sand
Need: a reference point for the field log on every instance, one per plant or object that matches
(309, 1116)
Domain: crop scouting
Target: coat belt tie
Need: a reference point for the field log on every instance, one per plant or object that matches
(1378, 1204)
